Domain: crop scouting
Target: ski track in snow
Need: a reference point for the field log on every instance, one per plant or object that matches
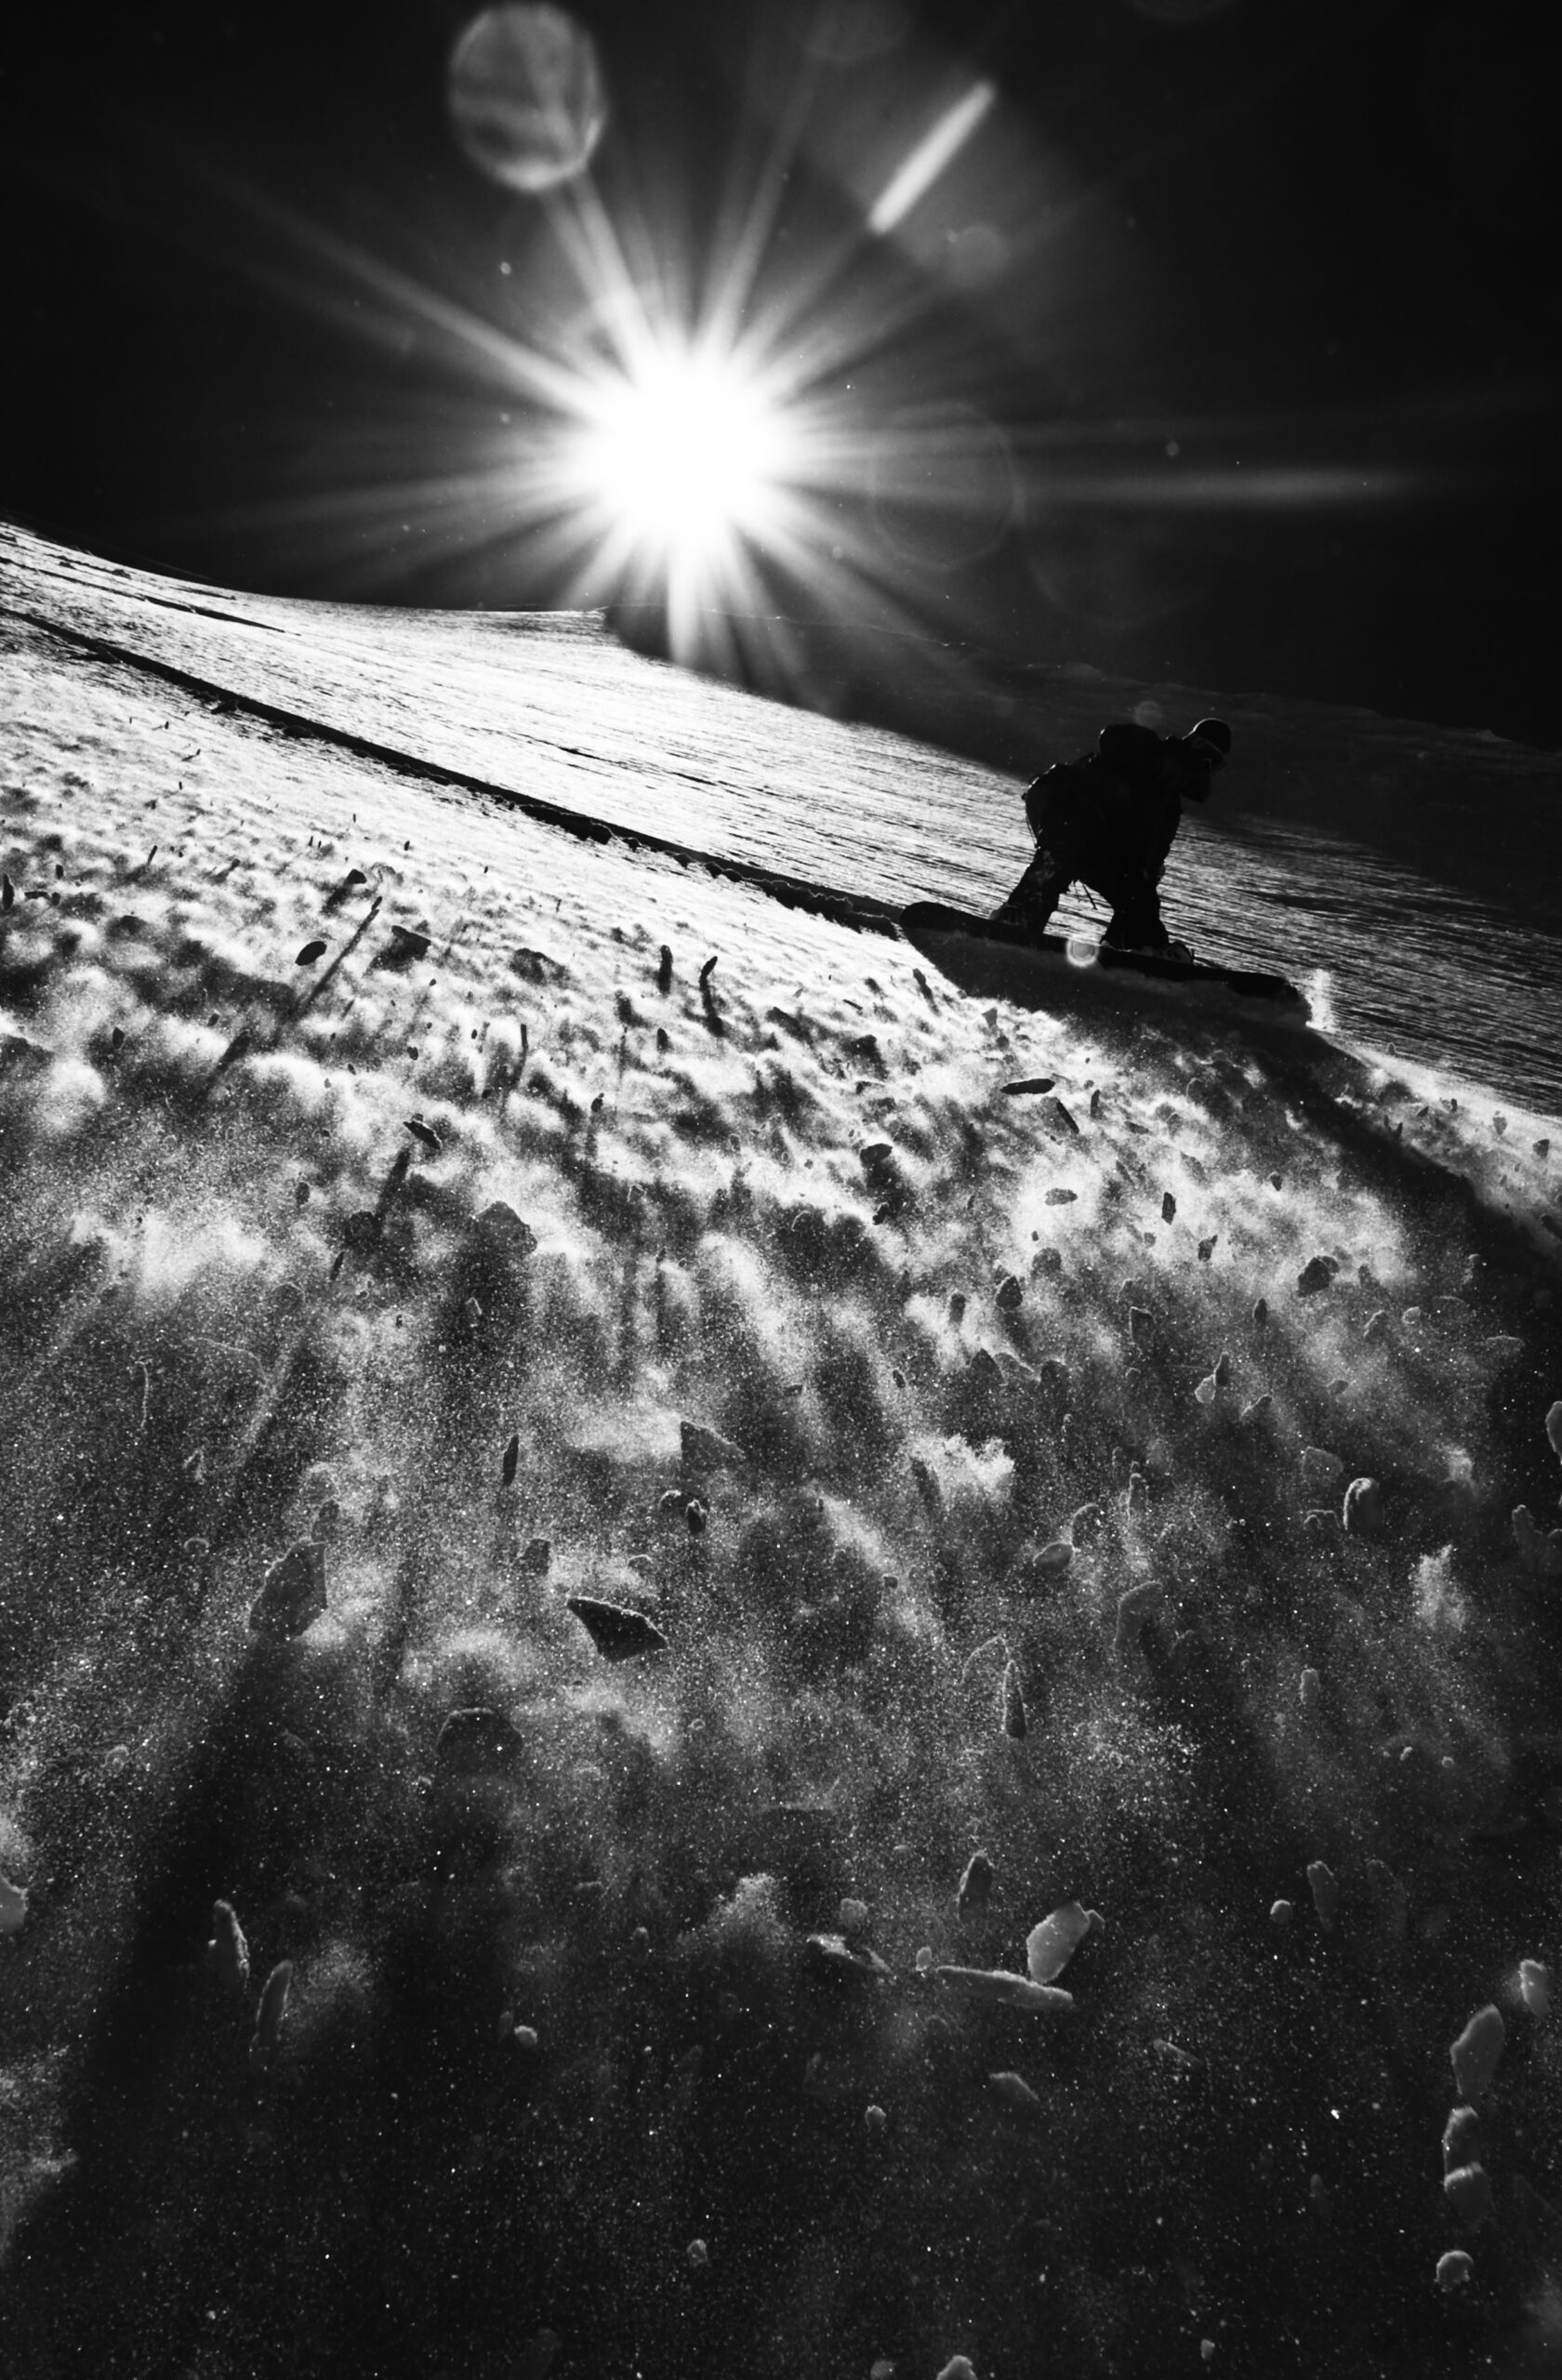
(551, 704)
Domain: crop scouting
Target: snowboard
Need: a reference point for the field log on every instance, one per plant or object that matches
(938, 919)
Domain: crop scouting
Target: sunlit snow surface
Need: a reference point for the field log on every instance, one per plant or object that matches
(1420, 870)
(402, 1195)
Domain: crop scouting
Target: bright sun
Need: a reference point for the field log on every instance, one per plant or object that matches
(685, 456)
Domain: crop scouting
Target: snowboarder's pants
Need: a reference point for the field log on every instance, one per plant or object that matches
(1062, 859)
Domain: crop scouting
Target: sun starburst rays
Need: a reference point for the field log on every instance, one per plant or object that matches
(676, 420)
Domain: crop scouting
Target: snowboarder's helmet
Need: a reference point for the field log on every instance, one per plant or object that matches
(1210, 742)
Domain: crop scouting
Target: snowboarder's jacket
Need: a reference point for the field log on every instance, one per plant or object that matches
(1123, 797)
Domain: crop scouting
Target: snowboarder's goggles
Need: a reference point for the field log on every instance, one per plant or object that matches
(1199, 748)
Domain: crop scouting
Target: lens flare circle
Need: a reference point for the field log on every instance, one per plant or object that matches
(684, 455)
(525, 97)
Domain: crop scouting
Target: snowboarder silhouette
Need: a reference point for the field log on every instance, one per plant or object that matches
(1108, 821)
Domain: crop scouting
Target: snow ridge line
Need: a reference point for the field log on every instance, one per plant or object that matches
(141, 595)
(856, 910)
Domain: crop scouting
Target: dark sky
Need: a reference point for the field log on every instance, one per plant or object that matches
(1232, 337)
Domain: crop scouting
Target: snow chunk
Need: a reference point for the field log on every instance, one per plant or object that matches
(1363, 1513)
(995, 1987)
(1051, 1945)
(1475, 2055)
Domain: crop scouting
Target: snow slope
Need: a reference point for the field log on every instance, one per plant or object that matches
(409, 1204)
(1414, 868)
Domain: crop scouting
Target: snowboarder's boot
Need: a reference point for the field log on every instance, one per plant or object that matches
(1180, 951)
